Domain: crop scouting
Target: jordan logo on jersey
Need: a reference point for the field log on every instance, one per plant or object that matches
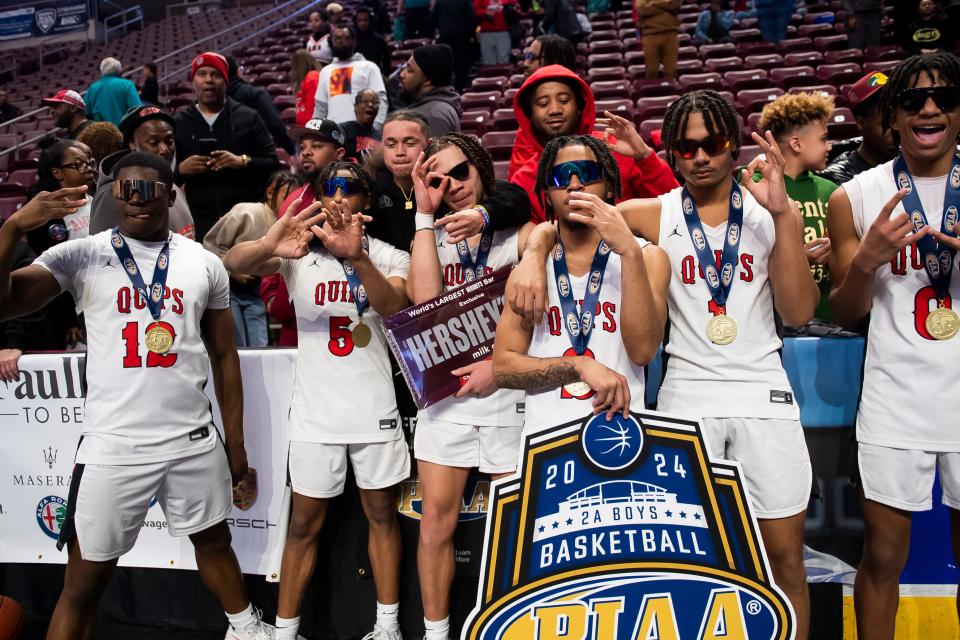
(624, 529)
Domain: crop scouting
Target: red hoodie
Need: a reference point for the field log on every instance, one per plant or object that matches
(640, 179)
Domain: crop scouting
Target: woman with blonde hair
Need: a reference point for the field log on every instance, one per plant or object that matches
(304, 78)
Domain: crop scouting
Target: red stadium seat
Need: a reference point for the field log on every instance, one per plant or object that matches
(746, 35)
(504, 120)
(688, 53)
(694, 81)
(753, 100)
(500, 169)
(766, 61)
(693, 65)
(623, 107)
(840, 74)
(654, 107)
(606, 74)
(885, 52)
(814, 30)
(496, 83)
(606, 46)
(721, 65)
(10, 204)
(842, 125)
(791, 45)
(605, 60)
(748, 153)
(611, 89)
(812, 58)
(289, 116)
(479, 100)
(24, 177)
(787, 77)
(475, 122)
(833, 42)
(644, 88)
(822, 88)
(843, 55)
(885, 66)
(499, 143)
(725, 50)
(749, 79)
(517, 80)
(745, 49)
(507, 101)
(647, 127)
(633, 57)
(596, 35)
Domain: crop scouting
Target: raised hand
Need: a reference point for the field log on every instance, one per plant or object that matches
(889, 234)
(47, 206)
(771, 191)
(344, 236)
(428, 198)
(817, 251)
(603, 218)
(622, 136)
(461, 225)
(289, 236)
(526, 291)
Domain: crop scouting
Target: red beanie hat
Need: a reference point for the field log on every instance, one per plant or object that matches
(210, 59)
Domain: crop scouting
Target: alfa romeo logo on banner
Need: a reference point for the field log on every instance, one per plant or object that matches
(622, 530)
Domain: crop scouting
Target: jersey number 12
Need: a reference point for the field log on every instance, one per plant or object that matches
(132, 359)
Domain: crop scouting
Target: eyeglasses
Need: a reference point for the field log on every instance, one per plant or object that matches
(712, 146)
(529, 55)
(347, 186)
(460, 172)
(587, 171)
(79, 165)
(373, 102)
(148, 190)
(913, 100)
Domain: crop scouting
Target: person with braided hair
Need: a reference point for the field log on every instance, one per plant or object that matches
(343, 409)
(896, 268)
(578, 181)
(479, 426)
(736, 257)
(554, 101)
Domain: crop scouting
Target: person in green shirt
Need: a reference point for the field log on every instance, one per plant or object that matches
(799, 123)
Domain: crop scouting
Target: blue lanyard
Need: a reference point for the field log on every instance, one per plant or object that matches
(353, 280)
(937, 259)
(154, 296)
(719, 283)
(579, 326)
(475, 268)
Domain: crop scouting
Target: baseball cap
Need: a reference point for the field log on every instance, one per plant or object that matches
(327, 130)
(68, 96)
(136, 116)
(210, 59)
(863, 88)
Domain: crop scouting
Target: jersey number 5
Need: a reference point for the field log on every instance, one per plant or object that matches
(341, 340)
(132, 359)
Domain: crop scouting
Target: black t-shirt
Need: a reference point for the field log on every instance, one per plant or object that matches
(934, 33)
(359, 140)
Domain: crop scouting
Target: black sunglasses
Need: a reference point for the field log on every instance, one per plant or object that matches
(460, 172)
(79, 165)
(913, 100)
(712, 146)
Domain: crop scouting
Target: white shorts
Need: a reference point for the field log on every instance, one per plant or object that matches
(773, 455)
(319, 470)
(903, 478)
(108, 503)
(489, 449)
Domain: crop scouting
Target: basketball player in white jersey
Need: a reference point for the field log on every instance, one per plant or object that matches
(343, 406)
(736, 256)
(894, 240)
(480, 426)
(618, 279)
(147, 429)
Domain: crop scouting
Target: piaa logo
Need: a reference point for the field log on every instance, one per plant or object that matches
(624, 529)
(51, 513)
(473, 505)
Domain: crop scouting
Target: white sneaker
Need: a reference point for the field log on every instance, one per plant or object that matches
(257, 629)
(379, 633)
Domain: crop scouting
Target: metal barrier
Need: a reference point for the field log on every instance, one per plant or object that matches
(122, 20)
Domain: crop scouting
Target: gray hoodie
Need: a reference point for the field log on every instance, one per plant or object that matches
(441, 109)
(102, 211)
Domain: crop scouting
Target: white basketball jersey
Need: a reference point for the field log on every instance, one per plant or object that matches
(141, 406)
(549, 407)
(503, 408)
(744, 379)
(343, 393)
(909, 396)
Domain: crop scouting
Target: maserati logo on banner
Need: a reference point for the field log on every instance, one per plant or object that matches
(625, 529)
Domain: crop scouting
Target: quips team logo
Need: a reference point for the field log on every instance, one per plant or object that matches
(623, 530)
(51, 512)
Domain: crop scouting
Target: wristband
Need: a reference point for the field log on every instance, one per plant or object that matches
(423, 221)
(483, 214)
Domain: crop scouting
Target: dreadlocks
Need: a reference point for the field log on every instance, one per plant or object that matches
(331, 169)
(473, 150)
(905, 76)
(718, 116)
(611, 171)
(281, 180)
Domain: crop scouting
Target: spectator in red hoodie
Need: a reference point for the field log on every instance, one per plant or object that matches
(304, 78)
(494, 33)
(554, 101)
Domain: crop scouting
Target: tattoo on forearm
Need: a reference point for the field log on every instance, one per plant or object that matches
(553, 376)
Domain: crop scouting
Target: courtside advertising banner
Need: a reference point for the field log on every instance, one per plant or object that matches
(432, 339)
(40, 421)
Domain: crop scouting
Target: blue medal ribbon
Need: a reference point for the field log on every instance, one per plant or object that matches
(579, 326)
(153, 296)
(475, 268)
(718, 282)
(937, 258)
(353, 280)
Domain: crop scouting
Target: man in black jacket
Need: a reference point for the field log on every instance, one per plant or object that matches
(260, 101)
(371, 44)
(224, 149)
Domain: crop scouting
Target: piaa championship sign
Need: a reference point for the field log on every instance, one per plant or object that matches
(625, 530)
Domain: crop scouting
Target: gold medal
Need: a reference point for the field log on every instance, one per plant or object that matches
(361, 335)
(722, 329)
(158, 339)
(943, 323)
(577, 389)
(408, 205)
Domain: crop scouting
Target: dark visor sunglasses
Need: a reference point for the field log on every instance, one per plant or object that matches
(460, 172)
(587, 171)
(348, 186)
(712, 146)
(912, 100)
(148, 190)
